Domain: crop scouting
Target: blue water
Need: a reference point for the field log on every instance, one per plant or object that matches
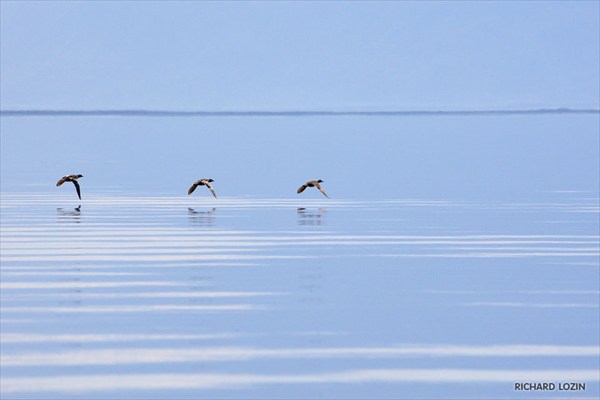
(455, 258)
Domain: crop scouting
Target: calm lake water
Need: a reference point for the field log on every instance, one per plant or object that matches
(456, 257)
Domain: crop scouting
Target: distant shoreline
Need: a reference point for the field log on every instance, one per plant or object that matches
(292, 113)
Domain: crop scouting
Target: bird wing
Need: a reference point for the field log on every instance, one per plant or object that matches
(77, 188)
(208, 185)
(301, 188)
(193, 187)
(321, 189)
(61, 181)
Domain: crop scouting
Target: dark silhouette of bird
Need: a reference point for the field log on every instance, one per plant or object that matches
(203, 182)
(71, 178)
(312, 184)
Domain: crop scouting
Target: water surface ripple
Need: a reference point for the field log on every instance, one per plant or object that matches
(174, 297)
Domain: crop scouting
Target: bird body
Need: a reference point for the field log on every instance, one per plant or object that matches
(312, 184)
(71, 178)
(203, 182)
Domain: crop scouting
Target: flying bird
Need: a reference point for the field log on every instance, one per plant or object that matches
(71, 178)
(203, 182)
(312, 184)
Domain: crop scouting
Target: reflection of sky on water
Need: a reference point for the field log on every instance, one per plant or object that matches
(157, 355)
(244, 297)
(151, 382)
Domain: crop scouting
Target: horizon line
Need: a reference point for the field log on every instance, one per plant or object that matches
(284, 113)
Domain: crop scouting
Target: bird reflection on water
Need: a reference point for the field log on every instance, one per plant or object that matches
(66, 215)
(203, 218)
(311, 217)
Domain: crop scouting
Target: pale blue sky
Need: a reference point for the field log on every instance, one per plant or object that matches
(299, 55)
(303, 56)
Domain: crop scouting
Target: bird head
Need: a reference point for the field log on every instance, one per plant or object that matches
(79, 176)
(210, 180)
(319, 181)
